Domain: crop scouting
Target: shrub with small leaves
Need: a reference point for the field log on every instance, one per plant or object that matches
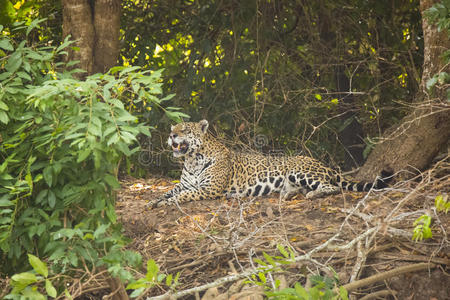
(152, 278)
(61, 143)
(422, 229)
(27, 285)
(323, 288)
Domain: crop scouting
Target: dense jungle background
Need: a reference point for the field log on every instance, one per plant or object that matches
(89, 89)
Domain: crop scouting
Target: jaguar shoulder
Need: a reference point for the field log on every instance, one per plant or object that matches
(211, 171)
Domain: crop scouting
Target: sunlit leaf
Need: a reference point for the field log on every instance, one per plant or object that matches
(39, 266)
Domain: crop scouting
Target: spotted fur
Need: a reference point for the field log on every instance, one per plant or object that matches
(212, 171)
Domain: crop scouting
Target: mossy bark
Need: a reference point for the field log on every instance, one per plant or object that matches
(412, 144)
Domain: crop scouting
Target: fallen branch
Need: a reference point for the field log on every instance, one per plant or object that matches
(335, 246)
(306, 257)
(388, 274)
(249, 272)
(377, 295)
(412, 257)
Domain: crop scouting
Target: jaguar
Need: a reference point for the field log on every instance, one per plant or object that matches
(212, 171)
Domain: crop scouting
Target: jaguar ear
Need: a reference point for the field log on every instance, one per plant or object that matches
(203, 125)
(172, 127)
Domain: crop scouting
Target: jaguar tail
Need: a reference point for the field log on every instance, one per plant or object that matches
(380, 182)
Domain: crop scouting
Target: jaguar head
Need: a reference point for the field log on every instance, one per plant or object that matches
(187, 137)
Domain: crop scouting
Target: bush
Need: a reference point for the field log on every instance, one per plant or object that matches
(62, 140)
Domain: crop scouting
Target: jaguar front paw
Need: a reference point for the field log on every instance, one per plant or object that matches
(161, 201)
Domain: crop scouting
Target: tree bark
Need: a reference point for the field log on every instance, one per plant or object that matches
(77, 21)
(107, 30)
(95, 26)
(414, 143)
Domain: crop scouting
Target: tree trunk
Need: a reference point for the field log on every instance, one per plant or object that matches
(414, 143)
(351, 135)
(95, 26)
(107, 30)
(77, 21)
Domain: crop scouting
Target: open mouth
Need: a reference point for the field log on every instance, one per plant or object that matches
(180, 148)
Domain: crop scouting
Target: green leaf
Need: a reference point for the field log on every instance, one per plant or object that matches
(35, 56)
(14, 62)
(112, 181)
(141, 282)
(301, 291)
(168, 97)
(32, 294)
(128, 70)
(50, 289)
(124, 148)
(48, 175)
(269, 258)
(4, 117)
(427, 233)
(262, 277)
(5, 44)
(318, 97)
(4, 202)
(175, 281)
(3, 105)
(113, 139)
(68, 295)
(277, 283)
(175, 116)
(169, 280)
(73, 258)
(42, 194)
(29, 181)
(95, 130)
(260, 262)
(126, 116)
(137, 292)
(51, 199)
(282, 250)
(4, 75)
(160, 277)
(100, 230)
(83, 154)
(33, 25)
(66, 43)
(39, 266)
(152, 270)
(24, 75)
(343, 293)
(431, 82)
(145, 130)
(22, 280)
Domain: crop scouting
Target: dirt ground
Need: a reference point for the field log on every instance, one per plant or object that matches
(366, 234)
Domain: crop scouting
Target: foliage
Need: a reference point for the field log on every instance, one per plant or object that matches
(62, 141)
(49, 12)
(439, 14)
(301, 73)
(28, 284)
(422, 224)
(322, 287)
(298, 72)
(441, 203)
(422, 228)
(152, 278)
